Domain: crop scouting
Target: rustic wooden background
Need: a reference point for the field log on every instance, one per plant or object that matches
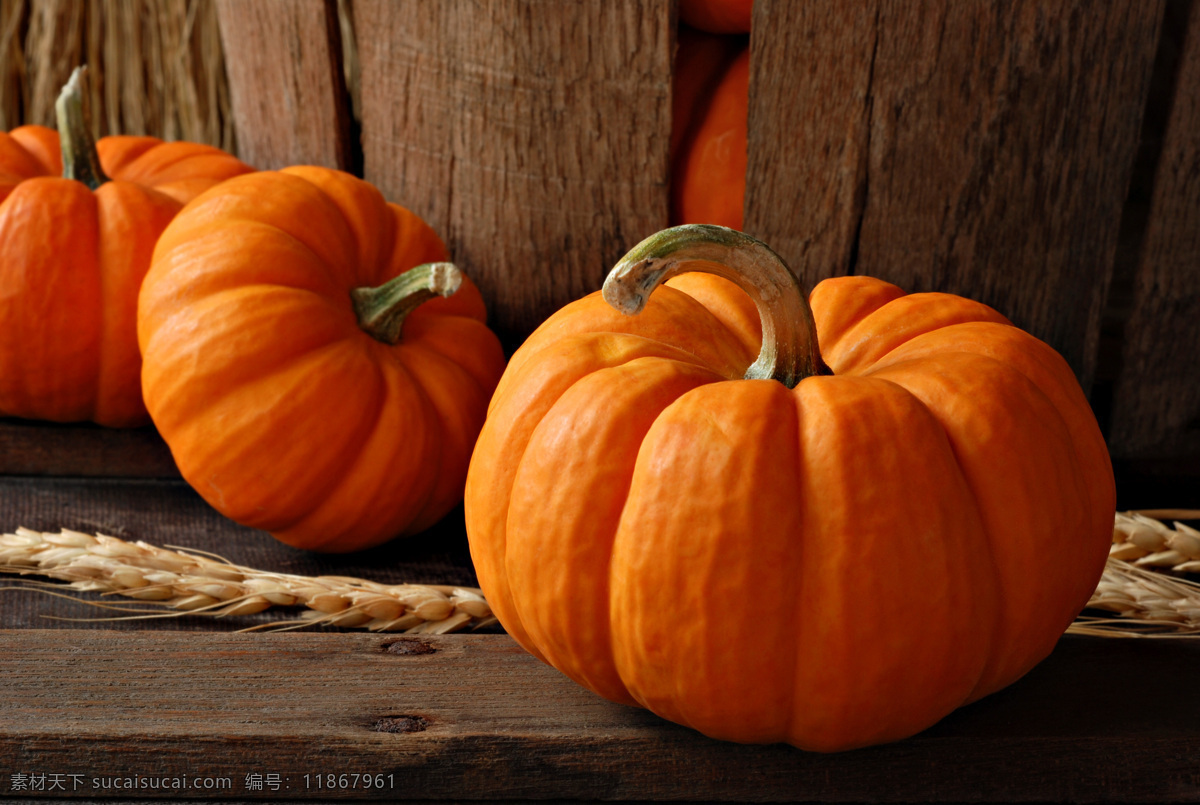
(1041, 157)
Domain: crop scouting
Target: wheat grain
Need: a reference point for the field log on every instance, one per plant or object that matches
(195, 583)
(1145, 600)
(1147, 542)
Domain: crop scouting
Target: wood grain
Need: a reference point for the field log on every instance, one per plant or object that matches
(287, 88)
(39, 448)
(1156, 404)
(533, 136)
(974, 148)
(478, 718)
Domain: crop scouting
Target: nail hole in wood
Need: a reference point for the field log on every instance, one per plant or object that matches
(400, 724)
(407, 646)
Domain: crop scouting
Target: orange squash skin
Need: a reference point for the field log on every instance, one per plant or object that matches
(832, 566)
(71, 262)
(708, 172)
(279, 409)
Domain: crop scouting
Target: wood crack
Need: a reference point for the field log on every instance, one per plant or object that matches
(860, 195)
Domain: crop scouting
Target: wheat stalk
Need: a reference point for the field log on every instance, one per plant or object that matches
(1145, 600)
(194, 583)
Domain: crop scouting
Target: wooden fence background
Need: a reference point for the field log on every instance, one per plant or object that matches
(1041, 157)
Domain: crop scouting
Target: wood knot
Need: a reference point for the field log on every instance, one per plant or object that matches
(400, 724)
(407, 646)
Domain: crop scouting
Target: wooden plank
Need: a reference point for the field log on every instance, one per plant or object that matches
(533, 136)
(964, 147)
(1156, 404)
(287, 88)
(475, 717)
(40, 448)
(170, 513)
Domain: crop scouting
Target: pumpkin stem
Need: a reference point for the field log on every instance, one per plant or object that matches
(80, 159)
(381, 311)
(789, 345)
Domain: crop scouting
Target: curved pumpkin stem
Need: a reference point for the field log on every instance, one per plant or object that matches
(789, 344)
(80, 159)
(381, 311)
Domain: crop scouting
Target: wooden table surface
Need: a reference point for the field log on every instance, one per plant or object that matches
(89, 706)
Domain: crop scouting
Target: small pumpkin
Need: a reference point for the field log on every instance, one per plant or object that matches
(301, 366)
(829, 547)
(74, 246)
(711, 102)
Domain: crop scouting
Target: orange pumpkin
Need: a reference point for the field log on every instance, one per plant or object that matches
(832, 547)
(300, 367)
(708, 163)
(74, 247)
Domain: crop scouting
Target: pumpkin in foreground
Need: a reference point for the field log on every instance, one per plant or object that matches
(74, 246)
(831, 548)
(301, 366)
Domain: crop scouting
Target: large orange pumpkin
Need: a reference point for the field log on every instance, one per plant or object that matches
(74, 247)
(832, 547)
(300, 367)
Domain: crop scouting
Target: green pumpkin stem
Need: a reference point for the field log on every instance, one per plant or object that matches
(80, 159)
(381, 311)
(789, 346)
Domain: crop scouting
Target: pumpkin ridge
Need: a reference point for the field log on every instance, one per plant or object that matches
(189, 245)
(868, 334)
(118, 150)
(336, 454)
(442, 497)
(128, 216)
(1036, 525)
(348, 483)
(534, 355)
(938, 574)
(63, 259)
(667, 613)
(166, 161)
(512, 416)
(27, 164)
(278, 202)
(591, 314)
(705, 289)
(1046, 370)
(373, 223)
(602, 417)
(203, 332)
(465, 348)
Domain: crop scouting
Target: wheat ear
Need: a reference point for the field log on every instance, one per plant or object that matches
(195, 583)
(1146, 600)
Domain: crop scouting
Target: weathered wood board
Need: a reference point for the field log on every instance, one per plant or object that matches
(973, 148)
(42, 448)
(474, 717)
(533, 136)
(287, 87)
(1156, 409)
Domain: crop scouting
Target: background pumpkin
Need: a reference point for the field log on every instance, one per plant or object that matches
(275, 387)
(73, 252)
(708, 138)
(834, 564)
